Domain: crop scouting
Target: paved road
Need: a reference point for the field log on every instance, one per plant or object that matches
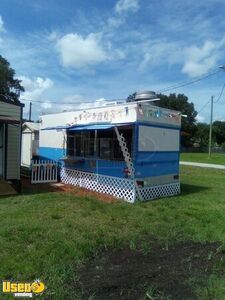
(201, 165)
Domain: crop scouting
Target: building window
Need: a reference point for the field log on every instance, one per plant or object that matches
(80, 144)
(105, 146)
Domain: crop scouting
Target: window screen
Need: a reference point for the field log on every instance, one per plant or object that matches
(104, 146)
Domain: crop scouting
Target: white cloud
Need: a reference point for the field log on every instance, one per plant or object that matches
(70, 103)
(1, 24)
(199, 60)
(34, 88)
(46, 106)
(78, 52)
(53, 36)
(157, 52)
(194, 60)
(96, 103)
(200, 118)
(115, 22)
(126, 5)
(78, 102)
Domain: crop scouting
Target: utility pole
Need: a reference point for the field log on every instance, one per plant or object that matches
(210, 128)
(211, 120)
(30, 111)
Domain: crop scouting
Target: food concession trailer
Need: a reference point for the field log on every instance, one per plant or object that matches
(129, 150)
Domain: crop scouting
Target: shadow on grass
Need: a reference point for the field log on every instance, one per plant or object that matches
(42, 188)
(27, 188)
(187, 189)
(35, 189)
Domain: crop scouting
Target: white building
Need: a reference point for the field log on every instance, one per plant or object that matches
(30, 142)
(10, 143)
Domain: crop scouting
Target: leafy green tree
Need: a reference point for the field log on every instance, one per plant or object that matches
(180, 102)
(10, 86)
(219, 131)
(202, 134)
(131, 97)
(223, 146)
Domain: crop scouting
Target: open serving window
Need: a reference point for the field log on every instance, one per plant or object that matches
(97, 142)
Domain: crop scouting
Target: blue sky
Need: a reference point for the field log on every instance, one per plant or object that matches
(72, 51)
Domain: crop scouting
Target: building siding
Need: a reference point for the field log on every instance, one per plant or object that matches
(13, 141)
(27, 138)
(13, 152)
(158, 139)
(7, 109)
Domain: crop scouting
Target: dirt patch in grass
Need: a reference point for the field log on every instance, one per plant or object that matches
(27, 187)
(83, 192)
(161, 273)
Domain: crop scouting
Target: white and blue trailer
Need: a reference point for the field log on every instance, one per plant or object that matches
(129, 150)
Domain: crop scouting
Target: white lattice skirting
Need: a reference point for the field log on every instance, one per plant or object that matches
(118, 187)
(160, 191)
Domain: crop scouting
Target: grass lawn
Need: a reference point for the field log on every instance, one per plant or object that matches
(47, 235)
(216, 158)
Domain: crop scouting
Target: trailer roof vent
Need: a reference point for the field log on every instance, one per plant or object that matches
(145, 95)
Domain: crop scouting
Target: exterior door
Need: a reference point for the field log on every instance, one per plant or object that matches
(1, 150)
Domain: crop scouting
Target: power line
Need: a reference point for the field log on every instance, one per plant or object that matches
(185, 83)
(172, 87)
(220, 95)
(203, 107)
(182, 84)
(217, 100)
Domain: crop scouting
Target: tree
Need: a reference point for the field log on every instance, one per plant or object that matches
(180, 102)
(131, 97)
(202, 135)
(219, 131)
(10, 86)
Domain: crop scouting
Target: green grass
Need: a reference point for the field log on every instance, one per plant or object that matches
(47, 235)
(216, 158)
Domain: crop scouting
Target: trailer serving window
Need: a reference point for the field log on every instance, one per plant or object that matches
(80, 144)
(101, 144)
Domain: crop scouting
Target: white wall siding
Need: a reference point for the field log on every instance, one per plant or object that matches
(52, 138)
(11, 110)
(107, 114)
(26, 149)
(158, 139)
(158, 115)
(13, 152)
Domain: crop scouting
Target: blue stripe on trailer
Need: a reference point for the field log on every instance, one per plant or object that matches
(99, 166)
(86, 127)
(91, 127)
(149, 164)
(51, 153)
(157, 156)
